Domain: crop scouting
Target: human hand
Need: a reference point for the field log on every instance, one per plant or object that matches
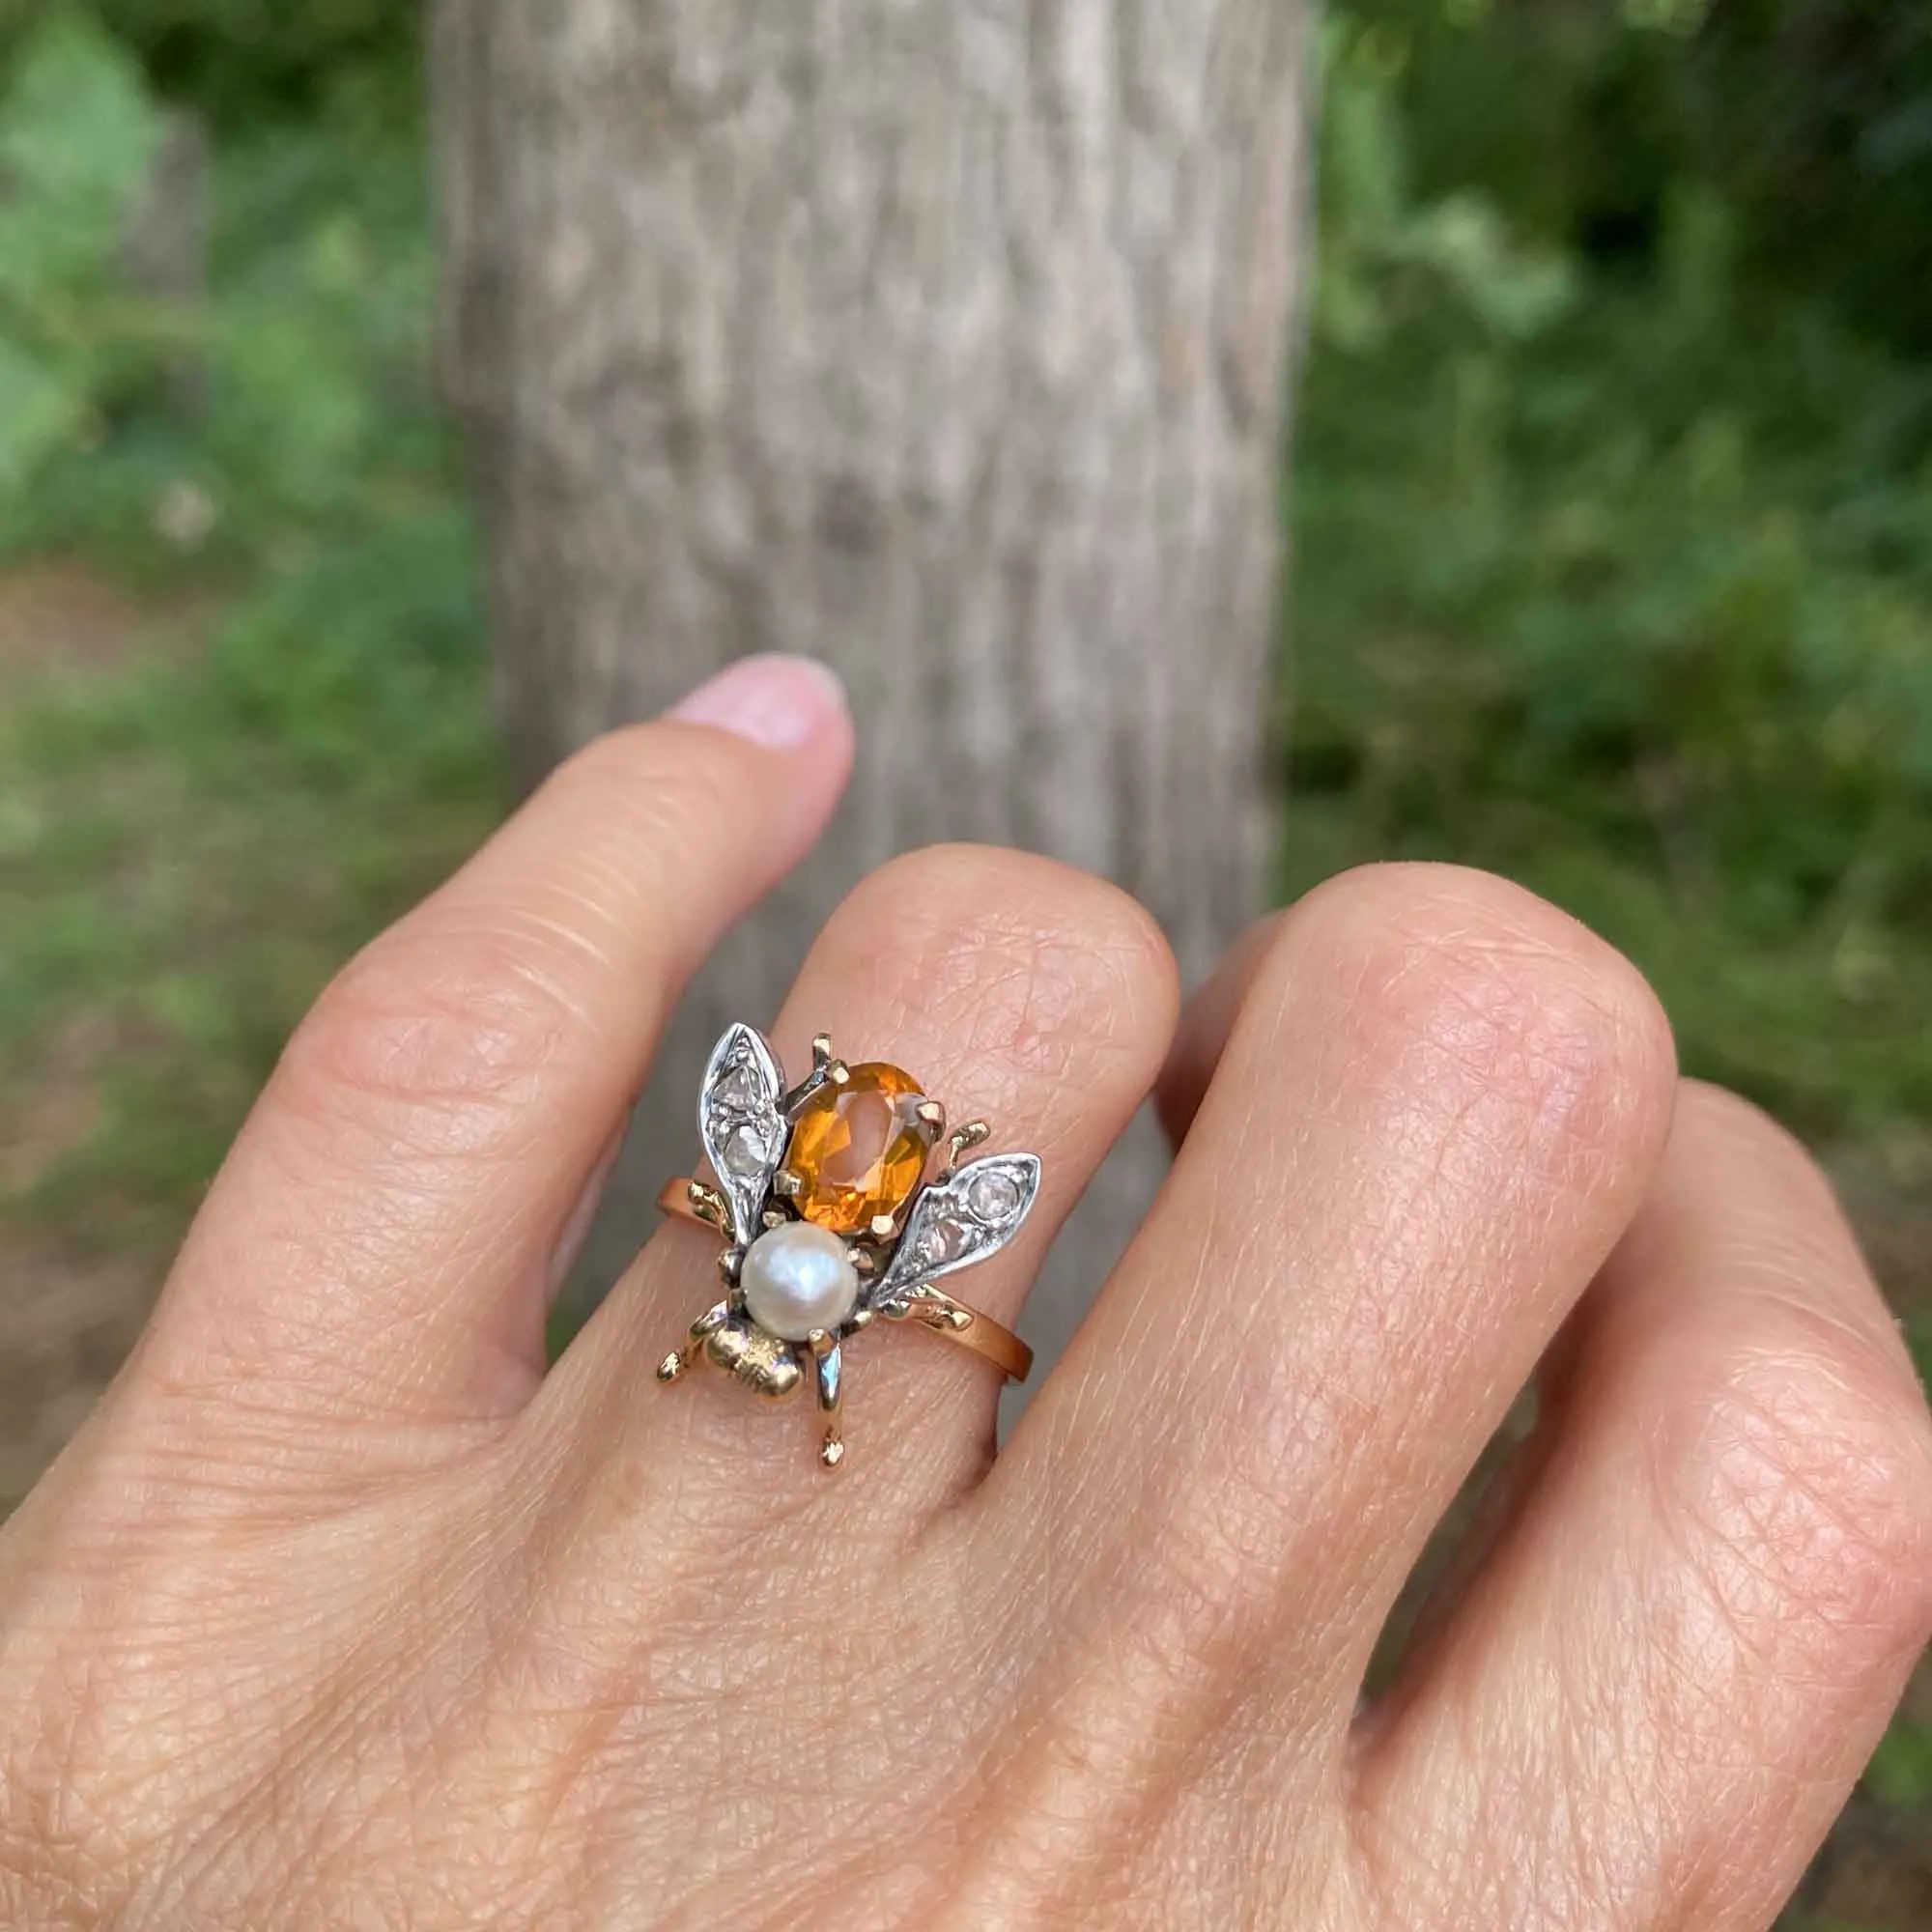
(341, 1612)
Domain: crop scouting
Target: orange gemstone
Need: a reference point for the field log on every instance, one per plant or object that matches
(859, 1149)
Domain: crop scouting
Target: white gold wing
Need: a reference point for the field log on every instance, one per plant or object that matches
(958, 1222)
(741, 1122)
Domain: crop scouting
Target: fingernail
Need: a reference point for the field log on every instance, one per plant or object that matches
(782, 702)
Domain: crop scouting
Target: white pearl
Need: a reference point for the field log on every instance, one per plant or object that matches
(797, 1278)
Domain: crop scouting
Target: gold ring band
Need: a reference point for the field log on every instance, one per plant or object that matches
(939, 1312)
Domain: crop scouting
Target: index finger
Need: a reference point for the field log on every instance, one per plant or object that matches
(379, 1243)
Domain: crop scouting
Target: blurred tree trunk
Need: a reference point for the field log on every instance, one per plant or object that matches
(942, 341)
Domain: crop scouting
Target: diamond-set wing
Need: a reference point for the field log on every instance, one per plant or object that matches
(958, 1222)
(741, 1123)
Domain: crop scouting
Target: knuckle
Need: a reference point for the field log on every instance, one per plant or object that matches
(1474, 998)
(657, 792)
(1814, 1491)
(1012, 957)
(460, 1028)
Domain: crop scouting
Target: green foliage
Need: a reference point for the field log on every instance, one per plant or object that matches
(1626, 594)
(312, 419)
(189, 845)
(1815, 119)
(77, 136)
(1918, 1339)
(77, 131)
(250, 64)
(1901, 1771)
(1387, 256)
(1811, 118)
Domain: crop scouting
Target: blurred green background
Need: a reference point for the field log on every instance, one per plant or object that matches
(1613, 509)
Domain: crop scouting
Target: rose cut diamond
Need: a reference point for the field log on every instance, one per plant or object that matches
(744, 1152)
(739, 1090)
(992, 1198)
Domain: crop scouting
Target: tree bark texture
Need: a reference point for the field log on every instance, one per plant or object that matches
(942, 339)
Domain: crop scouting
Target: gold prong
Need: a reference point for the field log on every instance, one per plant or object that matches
(709, 1205)
(824, 1067)
(958, 1141)
(773, 1217)
(862, 1317)
(883, 1226)
(942, 1315)
(671, 1367)
(931, 1114)
(784, 1181)
(826, 1358)
(708, 1323)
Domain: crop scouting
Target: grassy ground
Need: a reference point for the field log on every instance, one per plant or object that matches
(1613, 582)
(191, 838)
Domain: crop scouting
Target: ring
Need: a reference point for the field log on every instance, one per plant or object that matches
(831, 1221)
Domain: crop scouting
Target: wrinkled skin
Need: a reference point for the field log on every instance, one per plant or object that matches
(341, 1612)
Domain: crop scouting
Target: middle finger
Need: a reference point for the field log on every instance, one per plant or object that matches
(1436, 1109)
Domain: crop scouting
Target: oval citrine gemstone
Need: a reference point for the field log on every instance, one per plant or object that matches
(858, 1151)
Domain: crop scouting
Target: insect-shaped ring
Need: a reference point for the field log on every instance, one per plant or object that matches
(842, 1201)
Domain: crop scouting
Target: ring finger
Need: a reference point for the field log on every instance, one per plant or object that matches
(1013, 989)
